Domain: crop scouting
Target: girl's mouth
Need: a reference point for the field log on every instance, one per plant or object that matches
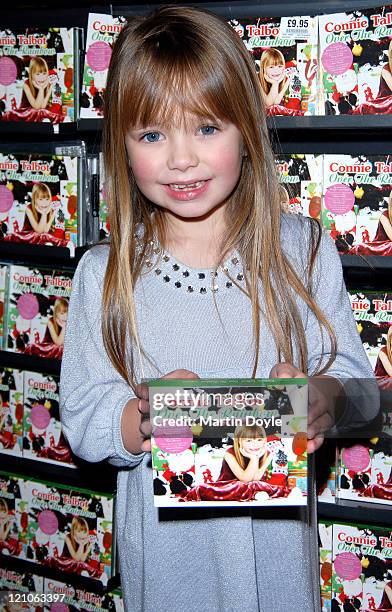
(186, 186)
(187, 191)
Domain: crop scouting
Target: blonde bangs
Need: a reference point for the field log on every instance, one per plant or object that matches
(275, 57)
(174, 105)
(167, 88)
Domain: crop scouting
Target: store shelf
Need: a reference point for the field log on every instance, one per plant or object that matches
(354, 512)
(89, 125)
(368, 273)
(23, 128)
(21, 565)
(100, 477)
(332, 122)
(367, 263)
(39, 254)
(19, 361)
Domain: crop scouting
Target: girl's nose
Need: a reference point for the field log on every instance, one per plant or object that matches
(182, 155)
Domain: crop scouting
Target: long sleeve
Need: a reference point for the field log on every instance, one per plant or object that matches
(351, 365)
(92, 392)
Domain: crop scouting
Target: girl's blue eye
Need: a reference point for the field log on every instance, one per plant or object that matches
(151, 137)
(208, 130)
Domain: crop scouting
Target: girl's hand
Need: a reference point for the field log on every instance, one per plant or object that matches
(261, 453)
(282, 77)
(144, 406)
(247, 454)
(322, 398)
(269, 79)
(257, 453)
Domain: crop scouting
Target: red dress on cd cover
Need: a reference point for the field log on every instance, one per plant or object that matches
(381, 233)
(379, 369)
(384, 90)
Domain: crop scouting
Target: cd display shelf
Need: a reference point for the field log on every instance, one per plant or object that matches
(78, 582)
(329, 134)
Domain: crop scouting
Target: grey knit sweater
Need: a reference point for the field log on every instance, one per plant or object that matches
(189, 559)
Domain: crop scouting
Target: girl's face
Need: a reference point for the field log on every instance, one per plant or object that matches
(252, 445)
(42, 203)
(190, 170)
(275, 72)
(61, 317)
(80, 535)
(40, 77)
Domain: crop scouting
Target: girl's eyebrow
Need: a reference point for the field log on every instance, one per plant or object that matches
(191, 123)
(143, 128)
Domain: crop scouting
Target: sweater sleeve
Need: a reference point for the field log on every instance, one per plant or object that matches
(92, 393)
(351, 365)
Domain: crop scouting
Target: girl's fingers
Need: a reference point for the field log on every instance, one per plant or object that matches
(286, 370)
(315, 443)
(145, 428)
(143, 407)
(320, 425)
(141, 391)
(181, 374)
(316, 410)
(146, 446)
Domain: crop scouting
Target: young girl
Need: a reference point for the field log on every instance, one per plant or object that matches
(384, 228)
(274, 82)
(5, 520)
(385, 88)
(77, 543)
(248, 458)
(202, 277)
(57, 324)
(384, 358)
(37, 89)
(39, 215)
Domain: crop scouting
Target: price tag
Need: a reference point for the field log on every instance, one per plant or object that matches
(295, 27)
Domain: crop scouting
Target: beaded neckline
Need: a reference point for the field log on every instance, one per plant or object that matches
(202, 281)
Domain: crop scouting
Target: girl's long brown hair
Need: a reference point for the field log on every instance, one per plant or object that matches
(177, 62)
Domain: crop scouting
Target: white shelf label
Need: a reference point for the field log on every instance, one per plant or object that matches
(295, 27)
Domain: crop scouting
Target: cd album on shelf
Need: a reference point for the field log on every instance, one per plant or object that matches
(229, 442)
(365, 472)
(37, 310)
(30, 424)
(372, 312)
(58, 527)
(285, 51)
(356, 61)
(102, 32)
(39, 75)
(355, 562)
(301, 178)
(44, 196)
(357, 203)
